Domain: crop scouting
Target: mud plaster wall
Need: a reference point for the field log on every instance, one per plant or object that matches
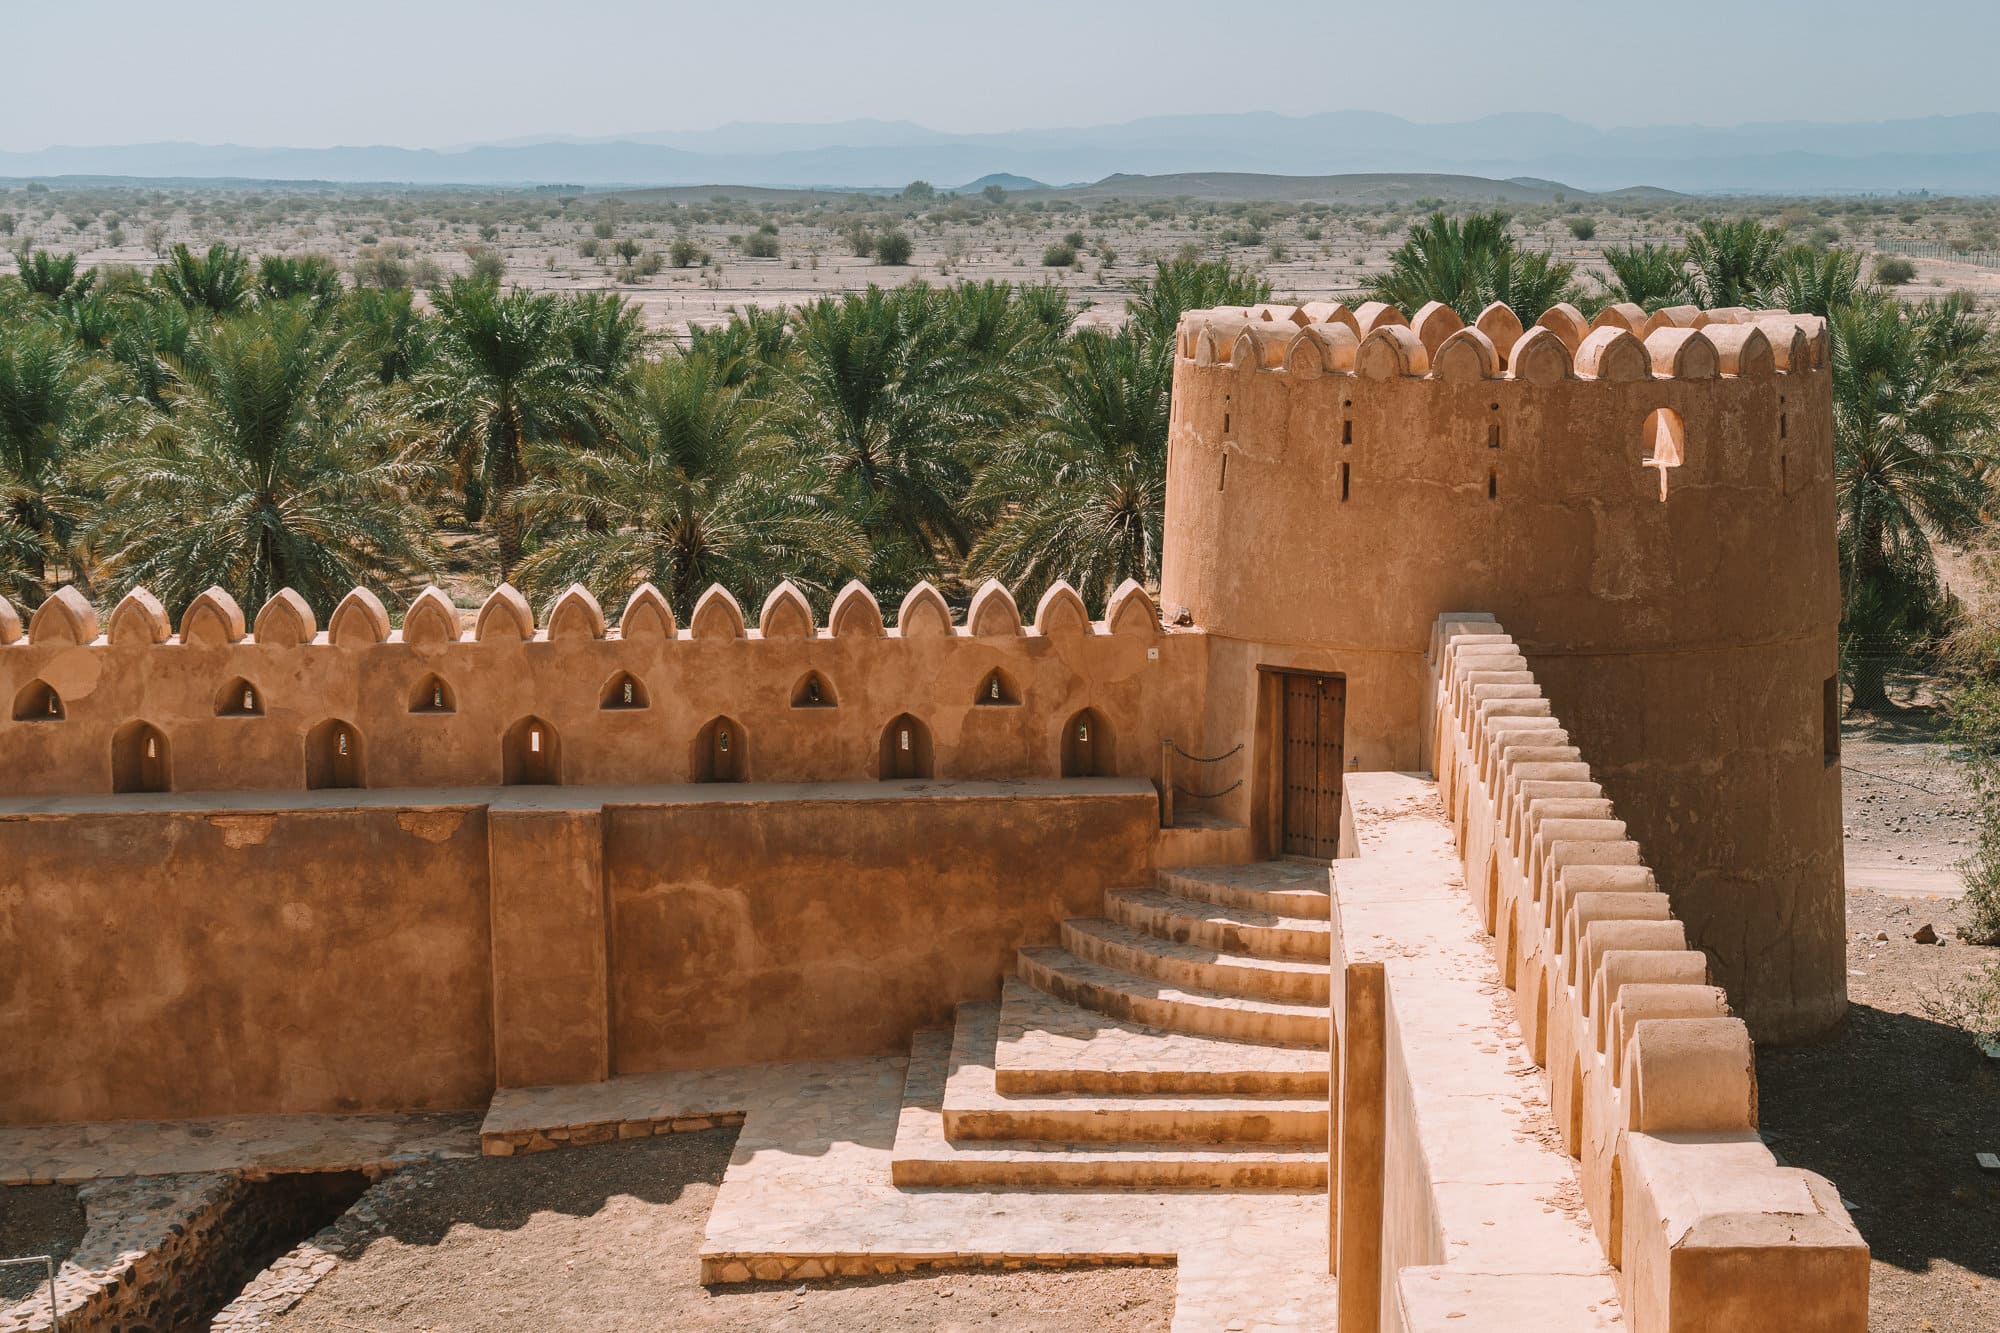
(188, 962)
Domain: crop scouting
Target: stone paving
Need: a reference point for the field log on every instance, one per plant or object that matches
(252, 1145)
(1046, 1044)
(808, 1194)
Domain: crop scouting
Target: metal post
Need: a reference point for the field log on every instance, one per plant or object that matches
(1167, 782)
(48, 1264)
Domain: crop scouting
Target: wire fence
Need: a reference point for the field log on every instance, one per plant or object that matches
(48, 1265)
(1940, 250)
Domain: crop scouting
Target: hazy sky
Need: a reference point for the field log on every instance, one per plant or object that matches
(428, 73)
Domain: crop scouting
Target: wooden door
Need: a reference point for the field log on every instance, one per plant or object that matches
(1314, 758)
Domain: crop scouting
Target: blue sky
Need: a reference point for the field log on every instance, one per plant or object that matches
(429, 73)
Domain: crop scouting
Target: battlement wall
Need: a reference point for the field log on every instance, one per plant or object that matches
(1649, 1073)
(1631, 464)
(221, 704)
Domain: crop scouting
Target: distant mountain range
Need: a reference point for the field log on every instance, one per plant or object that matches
(1941, 154)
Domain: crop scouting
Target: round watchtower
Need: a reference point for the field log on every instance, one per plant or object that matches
(1645, 502)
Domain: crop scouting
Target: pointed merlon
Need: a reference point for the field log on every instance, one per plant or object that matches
(286, 621)
(993, 613)
(716, 615)
(138, 619)
(1061, 612)
(786, 614)
(923, 614)
(646, 615)
(856, 614)
(213, 618)
(575, 614)
(504, 616)
(431, 618)
(359, 619)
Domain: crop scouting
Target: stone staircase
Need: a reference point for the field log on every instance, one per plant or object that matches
(1179, 1041)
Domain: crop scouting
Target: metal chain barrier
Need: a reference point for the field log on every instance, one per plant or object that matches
(1169, 787)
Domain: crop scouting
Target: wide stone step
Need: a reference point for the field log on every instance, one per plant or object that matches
(1240, 930)
(1285, 888)
(1050, 1045)
(923, 1156)
(976, 1108)
(1141, 999)
(1115, 944)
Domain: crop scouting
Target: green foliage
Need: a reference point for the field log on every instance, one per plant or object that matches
(54, 276)
(1894, 271)
(217, 282)
(1060, 255)
(683, 252)
(1809, 281)
(1914, 425)
(503, 376)
(486, 264)
(272, 465)
(1469, 265)
(919, 192)
(689, 489)
(56, 404)
(1180, 285)
(285, 277)
(1652, 277)
(893, 248)
(1733, 260)
(1583, 228)
(884, 401)
(761, 244)
(1081, 492)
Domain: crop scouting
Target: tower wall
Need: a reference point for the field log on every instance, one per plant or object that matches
(1338, 479)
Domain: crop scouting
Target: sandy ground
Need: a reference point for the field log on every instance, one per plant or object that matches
(606, 1238)
(539, 238)
(36, 1219)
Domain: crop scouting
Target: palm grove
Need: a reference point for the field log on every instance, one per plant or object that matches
(262, 425)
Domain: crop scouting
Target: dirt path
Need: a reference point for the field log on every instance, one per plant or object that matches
(1893, 1105)
(607, 1238)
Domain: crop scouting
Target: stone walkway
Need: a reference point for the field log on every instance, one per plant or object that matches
(257, 1144)
(808, 1193)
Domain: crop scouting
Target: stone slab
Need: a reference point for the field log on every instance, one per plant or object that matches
(258, 1144)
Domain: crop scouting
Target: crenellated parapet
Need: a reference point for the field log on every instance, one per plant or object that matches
(442, 697)
(1650, 1075)
(1623, 344)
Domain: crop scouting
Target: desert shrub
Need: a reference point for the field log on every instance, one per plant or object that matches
(487, 265)
(1583, 228)
(683, 252)
(587, 247)
(489, 232)
(648, 263)
(426, 273)
(626, 249)
(601, 229)
(1894, 270)
(893, 248)
(6, 224)
(1073, 239)
(376, 267)
(860, 240)
(1060, 255)
(761, 244)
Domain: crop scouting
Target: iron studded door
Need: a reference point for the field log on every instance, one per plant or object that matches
(1315, 720)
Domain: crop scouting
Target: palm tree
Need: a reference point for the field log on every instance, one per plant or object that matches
(1733, 260)
(504, 375)
(277, 465)
(54, 276)
(288, 277)
(884, 401)
(756, 340)
(56, 403)
(1915, 420)
(386, 328)
(1649, 276)
(1810, 281)
(1181, 285)
(607, 336)
(690, 490)
(1083, 495)
(218, 282)
(1469, 265)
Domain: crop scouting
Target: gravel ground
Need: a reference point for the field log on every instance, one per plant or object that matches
(35, 1219)
(606, 1238)
(1893, 1105)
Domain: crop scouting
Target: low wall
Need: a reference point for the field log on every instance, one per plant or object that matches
(1456, 1204)
(395, 950)
(135, 704)
(1650, 1077)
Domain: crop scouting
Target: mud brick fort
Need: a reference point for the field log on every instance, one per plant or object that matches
(1375, 923)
